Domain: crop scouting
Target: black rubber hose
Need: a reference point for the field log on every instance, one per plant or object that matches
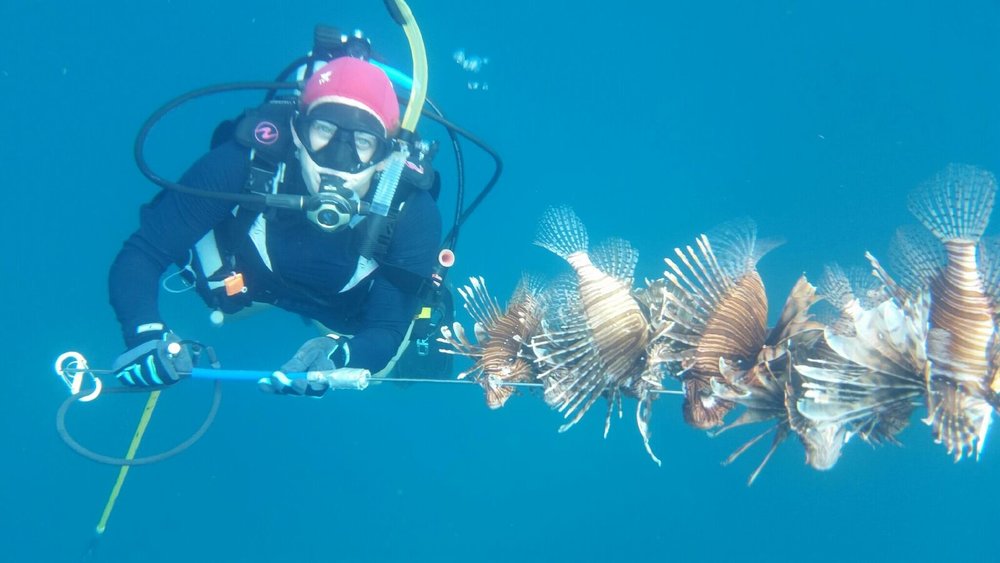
(146, 460)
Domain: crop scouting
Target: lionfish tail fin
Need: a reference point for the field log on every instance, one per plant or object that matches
(955, 203)
(617, 258)
(561, 232)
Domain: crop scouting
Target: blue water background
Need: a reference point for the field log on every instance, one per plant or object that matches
(655, 123)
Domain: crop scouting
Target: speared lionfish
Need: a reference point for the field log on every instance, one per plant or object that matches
(716, 315)
(864, 377)
(962, 344)
(501, 353)
(594, 333)
(764, 388)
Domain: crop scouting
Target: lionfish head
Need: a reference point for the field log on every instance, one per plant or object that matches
(703, 409)
(823, 444)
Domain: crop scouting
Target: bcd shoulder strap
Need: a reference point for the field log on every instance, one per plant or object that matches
(266, 129)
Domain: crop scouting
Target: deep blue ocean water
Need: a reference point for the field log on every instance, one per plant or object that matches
(655, 124)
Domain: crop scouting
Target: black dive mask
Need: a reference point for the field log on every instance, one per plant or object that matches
(334, 206)
(351, 132)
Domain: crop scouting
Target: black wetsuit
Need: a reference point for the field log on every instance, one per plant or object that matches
(309, 267)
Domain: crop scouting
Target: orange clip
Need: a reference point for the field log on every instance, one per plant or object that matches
(234, 284)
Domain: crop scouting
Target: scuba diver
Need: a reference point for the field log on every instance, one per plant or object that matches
(358, 274)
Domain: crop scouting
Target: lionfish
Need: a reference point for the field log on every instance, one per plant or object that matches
(864, 377)
(763, 386)
(501, 354)
(594, 333)
(716, 315)
(962, 344)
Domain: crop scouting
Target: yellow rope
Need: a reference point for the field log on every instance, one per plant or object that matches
(123, 470)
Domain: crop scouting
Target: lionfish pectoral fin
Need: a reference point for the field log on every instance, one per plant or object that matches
(617, 258)
(989, 267)
(956, 202)
(992, 382)
(561, 232)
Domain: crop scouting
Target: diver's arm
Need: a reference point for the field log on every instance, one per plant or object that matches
(168, 227)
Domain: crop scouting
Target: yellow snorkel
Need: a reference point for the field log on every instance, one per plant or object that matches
(401, 13)
(385, 191)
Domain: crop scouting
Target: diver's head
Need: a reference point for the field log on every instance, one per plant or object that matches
(347, 116)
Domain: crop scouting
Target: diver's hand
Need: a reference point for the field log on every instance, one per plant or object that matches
(316, 383)
(321, 354)
(154, 363)
(280, 384)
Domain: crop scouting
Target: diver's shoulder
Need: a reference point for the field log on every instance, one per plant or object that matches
(223, 168)
(420, 204)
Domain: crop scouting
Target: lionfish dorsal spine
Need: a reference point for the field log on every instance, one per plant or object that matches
(706, 281)
(481, 306)
(694, 291)
(722, 282)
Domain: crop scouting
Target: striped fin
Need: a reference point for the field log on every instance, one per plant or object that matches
(695, 285)
(955, 203)
(916, 257)
(957, 418)
(561, 232)
(893, 288)
(989, 268)
(850, 292)
(866, 287)
(795, 317)
(528, 287)
(689, 300)
(461, 346)
(870, 381)
(890, 339)
(834, 390)
(993, 380)
(738, 248)
(835, 287)
(617, 258)
(482, 307)
(823, 440)
(958, 413)
(570, 367)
